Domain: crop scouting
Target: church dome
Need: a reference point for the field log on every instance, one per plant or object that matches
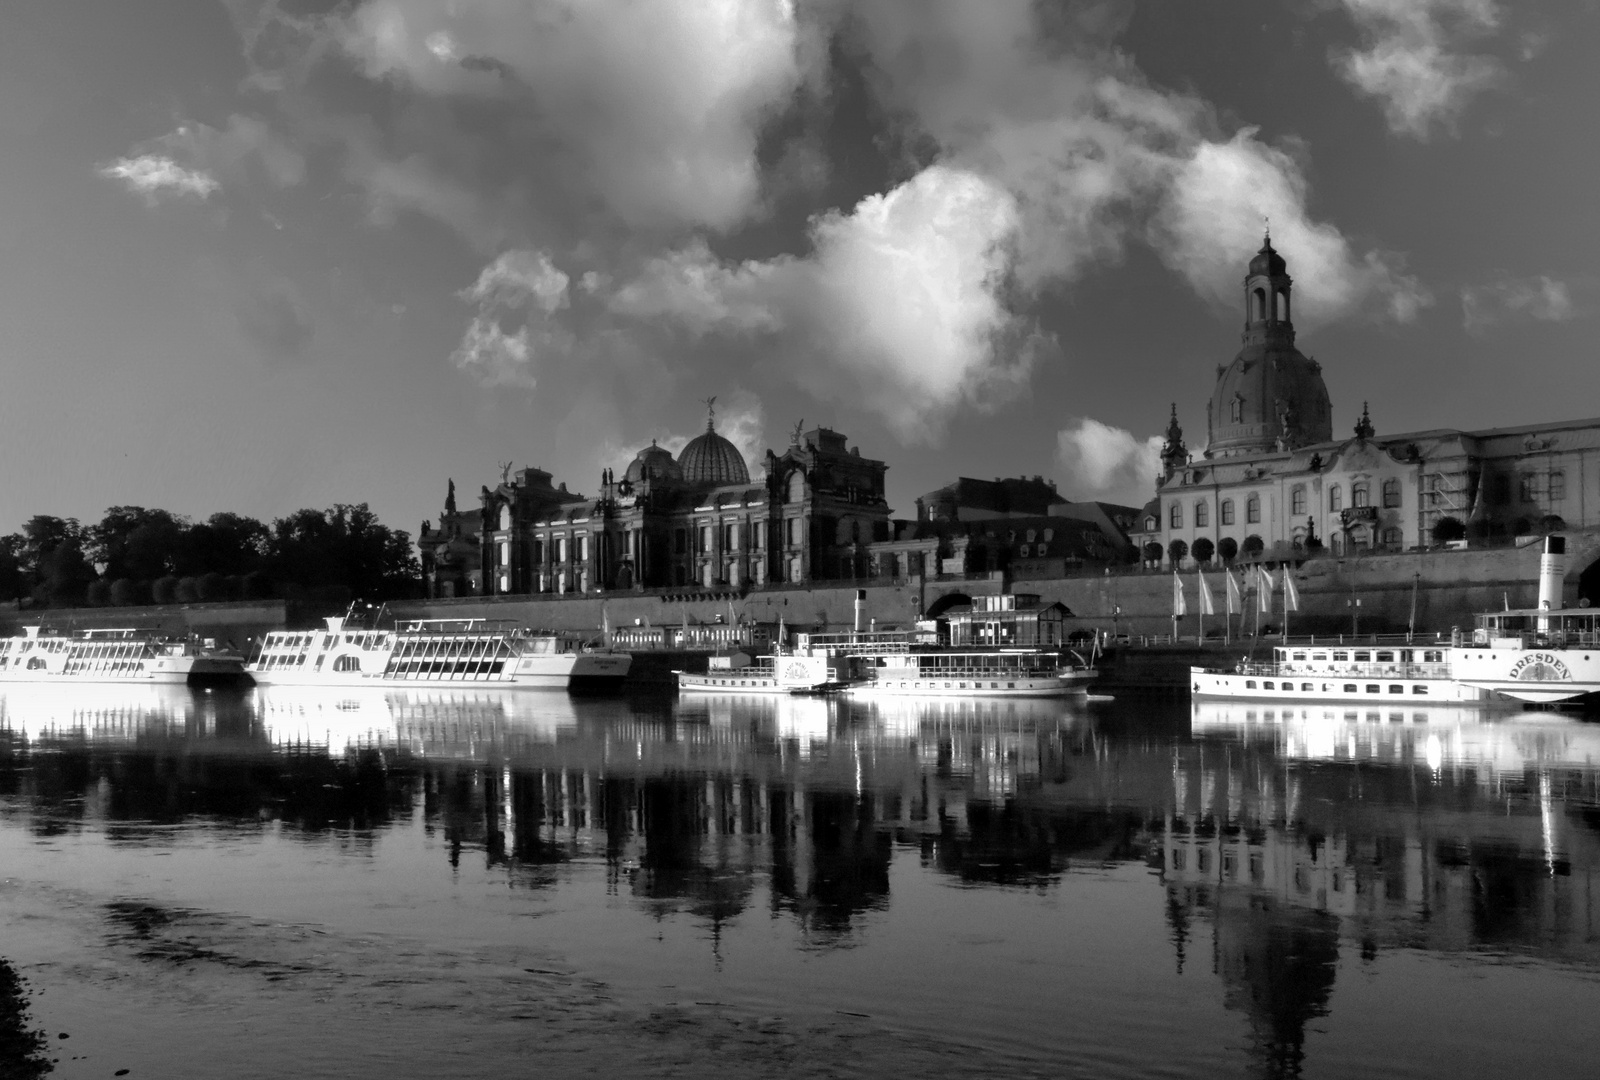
(1272, 397)
(711, 459)
(657, 461)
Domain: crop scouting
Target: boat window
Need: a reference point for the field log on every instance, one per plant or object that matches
(1306, 686)
(1363, 658)
(1372, 688)
(1249, 684)
(1419, 689)
(1269, 685)
(1319, 656)
(1299, 656)
(1341, 657)
(1386, 658)
(1433, 656)
(1396, 688)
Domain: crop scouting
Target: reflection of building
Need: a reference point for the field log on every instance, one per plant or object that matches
(697, 519)
(1273, 470)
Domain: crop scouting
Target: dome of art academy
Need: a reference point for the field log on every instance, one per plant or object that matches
(711, 459)
(1272, 396)
(654, 462)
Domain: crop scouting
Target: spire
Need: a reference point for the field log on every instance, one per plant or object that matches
(1364, 428)
(450, 498)
(1173, 453)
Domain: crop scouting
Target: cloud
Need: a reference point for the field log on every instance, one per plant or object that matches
(1095, 156)
(275, 317)
(1212, 213)
(656, 103)
(155, 175)
(1539, 298)
(1410, 63)
(900, 308)
(190, 159)
(525, 286)
(1104, 462)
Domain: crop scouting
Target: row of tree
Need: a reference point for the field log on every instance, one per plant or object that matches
(1445, 530)
(139, 556)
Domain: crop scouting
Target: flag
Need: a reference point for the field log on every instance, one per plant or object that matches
(1291, 595)
(1207, 606)
(605, 622)
(782, 633)
(1178, 606)
(1264, 589)
(1235, 602)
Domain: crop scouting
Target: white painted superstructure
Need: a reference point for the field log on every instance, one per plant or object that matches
(111, 656)
(1349, 673)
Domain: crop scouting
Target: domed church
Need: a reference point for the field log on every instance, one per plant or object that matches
(1274, 479)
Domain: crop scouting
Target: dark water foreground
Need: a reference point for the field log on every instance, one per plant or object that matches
(485, 884)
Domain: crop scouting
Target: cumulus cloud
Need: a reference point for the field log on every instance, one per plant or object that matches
(900, 308)
(1095, 156)
(1411, 61)
(156, 175)
(658, 102)
(1105, 462)
(190, 159)
(526, 288)
(1213, 212)
(1539, 298)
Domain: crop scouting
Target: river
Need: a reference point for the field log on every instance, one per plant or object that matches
(483, 883)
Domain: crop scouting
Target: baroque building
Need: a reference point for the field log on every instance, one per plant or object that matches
(1273, 478)
(697, 519)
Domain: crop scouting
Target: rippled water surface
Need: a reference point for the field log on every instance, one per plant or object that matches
(464, 884)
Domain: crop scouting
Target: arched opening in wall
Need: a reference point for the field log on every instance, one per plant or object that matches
(1589, 584)
(1283, 305)
(1261, 304)
(946, 602)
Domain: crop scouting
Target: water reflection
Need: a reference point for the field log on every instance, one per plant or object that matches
(1282, 839)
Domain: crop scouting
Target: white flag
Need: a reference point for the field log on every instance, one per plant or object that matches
(1235, 602)
(1178, 606)
(1291, 595)
(1264, 589)
(1206, 605)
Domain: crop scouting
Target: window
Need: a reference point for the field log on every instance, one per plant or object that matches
(1335, 498)
(1227, 511)
(1349, 687)
(1269, 685)
(1530, 487)
(1391, 493)
(705, 538)
(1360, 494)
(1396, 688)
(794, 532)
(1030, 535)
(1150, 524)
(1252, 510)
(1049, 535)
(1175, 516)
(583, 547)
(1297, 500)
(1202, 515)
(1392, 537)
(1558, 486)
(1249, 684)
(1419, 689)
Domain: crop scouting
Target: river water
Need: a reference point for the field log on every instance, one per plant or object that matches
(479, 883)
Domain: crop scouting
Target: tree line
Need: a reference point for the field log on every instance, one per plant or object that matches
(139, 556)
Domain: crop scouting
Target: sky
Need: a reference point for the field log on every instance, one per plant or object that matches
(259, 255)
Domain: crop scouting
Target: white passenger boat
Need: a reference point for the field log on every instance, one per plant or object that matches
(434, 652)
(940, 672)
(1338, 673)
(799, 672)
(112, 656)
(1539, 655)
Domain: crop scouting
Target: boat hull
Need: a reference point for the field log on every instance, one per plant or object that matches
(1211, 683)
(1059, 685)
(555, 671)
(1540, 676)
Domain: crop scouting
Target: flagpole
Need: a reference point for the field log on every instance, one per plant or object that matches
(1285, 569)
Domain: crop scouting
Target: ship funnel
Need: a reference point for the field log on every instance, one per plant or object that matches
(335, 625)
(861, 599)
(1552, 571)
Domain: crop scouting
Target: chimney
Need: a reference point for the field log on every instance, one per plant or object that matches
(1552, 569)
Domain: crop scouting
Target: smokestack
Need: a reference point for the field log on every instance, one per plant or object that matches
(1552, 569)
(861, 599)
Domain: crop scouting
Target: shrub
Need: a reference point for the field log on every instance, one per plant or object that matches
(1447, 529)
(1176, 551)
(1204, 549)
(1228, 548)
(1152, 552)
(98, 594)
(188, 590)
(1253, 545)
(164, 590)
(126, 592)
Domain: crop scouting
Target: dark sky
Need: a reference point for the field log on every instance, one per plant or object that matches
(260, 255)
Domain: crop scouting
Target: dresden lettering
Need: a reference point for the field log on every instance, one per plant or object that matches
(1540, 667)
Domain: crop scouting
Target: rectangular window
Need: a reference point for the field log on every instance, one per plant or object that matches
(1530, 487)
(794, 532)
(583, 547)
(1175, 516)
(705, 538)
(1297, 501)
(1349, 687)
(1360, 496)
(1391, 494)
(1558, 486)
(1252, 510)
(1335, 498)
(1227, 511)
(1202, 515)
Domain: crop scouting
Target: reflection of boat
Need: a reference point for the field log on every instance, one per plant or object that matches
(1357, 674)
(1503, 739)
(100, 712)
(908, 714)
(449, 653)
(112, 656)
(462, 718)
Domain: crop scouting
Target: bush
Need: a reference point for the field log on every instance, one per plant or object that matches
(256, 585)
(1204, 549)
(1228, 548)
(126, 592)
(212, 587)
(1152, 552)
(188, 590)
(1177, 551)
(1447, 529)
(1253, 545)
(1552, 523)
(164, 590)
(98, 594)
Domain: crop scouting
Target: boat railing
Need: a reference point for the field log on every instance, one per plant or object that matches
(1533, 639)
(1299, 670)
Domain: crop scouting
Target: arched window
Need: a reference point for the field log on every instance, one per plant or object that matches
(1297, 500)
(347, 663)
(1360, 494)
(797, 487)
(1261, 304)
(1150, 524)
(1175, 516)
(1283, 305)
(505, 515)
(1335, 498)
(1202, 515)
(1252, 509)
(1391, 493)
